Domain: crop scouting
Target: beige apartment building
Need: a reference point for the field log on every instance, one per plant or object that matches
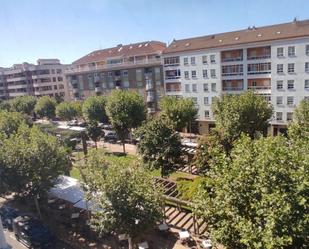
(136, 67)
(272, 61)
(45, 78)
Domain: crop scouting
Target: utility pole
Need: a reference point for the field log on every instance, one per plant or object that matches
(3, 244)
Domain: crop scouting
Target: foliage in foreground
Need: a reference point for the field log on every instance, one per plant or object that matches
(30, 161)
(257, 198)
(46, 107)
(10, 122)
(129, 203)
(160, 145)
(23, 104)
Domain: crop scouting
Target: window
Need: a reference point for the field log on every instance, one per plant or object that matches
(280, 100)
(171, 61)
(186, 74)
(193, 74)
(206, 113)
(54, 79)
(192, 60)
(279, 84)
(289, 116)
(212, 58)
(204, 59)
(185, 61)
(291, 68)
(60, 79)
(290, 100)
(307, 49)
(307, 84)
(279, 116)
(53, 71)
(205, 87)
(187, 88)
(110, 74)
(307, 67)
(213, 73)
(206, 101)
(259, 68)
(125, 73)
(213, 99)
(291, 51)
(279, 68)
(290, 84)
(280, 52)
(61, 86)
(205, 73)
(55, 87)
(194, 88)
(213, 87)
(59, 71)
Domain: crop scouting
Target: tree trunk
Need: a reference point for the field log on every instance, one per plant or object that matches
(95, 144)
(130, 243)
(124, 146)
(84, 143)
(37, 206)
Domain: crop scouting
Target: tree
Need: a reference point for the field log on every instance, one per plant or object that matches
(5, 105)
(68, 110)
(94, 109)
(256, 198)
(160, 145)
(10, 122)
(129, 203)
(30, 161)
(180, 111)
(247, 113)
(24, 104)
(46, 107)
(299, 128)
(126, 110)
(94, 132)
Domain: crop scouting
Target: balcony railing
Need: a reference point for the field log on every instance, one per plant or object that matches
(233, 74)
(111, 66)
(259, 87)
(232, 88)
(240, 58)
(259, 72)
(258, 57)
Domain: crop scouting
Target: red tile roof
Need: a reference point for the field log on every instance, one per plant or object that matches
(141, 48)
(295, 29)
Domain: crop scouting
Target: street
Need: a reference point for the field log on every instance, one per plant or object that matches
(12, 242)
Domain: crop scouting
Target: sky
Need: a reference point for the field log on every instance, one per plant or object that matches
(70, 29)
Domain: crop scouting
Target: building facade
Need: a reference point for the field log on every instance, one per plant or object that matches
(45, 78)
(135, 67)
(273, 61)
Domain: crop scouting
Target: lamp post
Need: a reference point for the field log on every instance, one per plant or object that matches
(3, 244)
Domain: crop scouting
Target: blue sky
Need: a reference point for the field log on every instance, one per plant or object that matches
(69, 29)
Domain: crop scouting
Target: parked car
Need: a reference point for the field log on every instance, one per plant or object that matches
(32, 233)
(107, 127)
(8, 214)
(73, 123)
(111, 136)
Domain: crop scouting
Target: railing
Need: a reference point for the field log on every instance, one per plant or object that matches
(259, 87)
(172, 77)
(259, 72)
(232, 59)
(232, 88)
(233, 74)
(111, 66)
(259, 57)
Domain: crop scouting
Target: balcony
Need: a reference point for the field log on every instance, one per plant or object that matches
(173, 92)
(150, 98)
(233, 85)
(89, 68)
(232, 70)
(149, 86)
(232, 55)
(232, 88)
(259, 68)
(259, 53)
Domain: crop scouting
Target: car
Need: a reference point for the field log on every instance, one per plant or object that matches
(107, 127)
(32, 232)
(73, 123)
(8, 214)
(110, 136)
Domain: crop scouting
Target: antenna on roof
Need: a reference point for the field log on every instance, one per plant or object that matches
(295, 19)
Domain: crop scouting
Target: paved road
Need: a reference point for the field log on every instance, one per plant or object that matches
(12, 242)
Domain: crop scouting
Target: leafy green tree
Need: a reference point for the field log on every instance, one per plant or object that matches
(30, 161)
(129, 203)
(23, 104)
(126, 110)
(299, 128)
(257, 197)
(5, 105)
(247, 113)
(10, 122)
(160, 145)
(46, 107)
(68, 110)
(94, 109)
(94, 132)
(180, 111)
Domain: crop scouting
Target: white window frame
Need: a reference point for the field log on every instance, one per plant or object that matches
(307, 49)
(187, 88)
(291, 83)
(193, 75)
(279, 52)
(206, 100)
(194, 88)
(205, 87)
(192, 60)
(213, 58)
(185, 61)
(213, 89)
(306, 85)
(307, 67)
(279, 100)
(205, 74)
(204, 59)
(290, 100)
(208, 114)
(291, 51)
(186, 74)
(213, 73)
(291, 67)
(280, 82)
(289, 116)
(279, 68)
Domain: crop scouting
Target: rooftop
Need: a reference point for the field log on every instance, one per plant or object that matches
(252, 34)
(120, 51)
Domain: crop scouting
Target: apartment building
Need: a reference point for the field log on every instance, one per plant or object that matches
(135, 67)
(273, 61)
(45, 78)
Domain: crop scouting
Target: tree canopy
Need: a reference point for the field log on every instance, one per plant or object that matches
(247, 113)
(10, 122)
(160, 145)
(94, 132)
(68, 110)
(129, 203)
(256, 198)
(94, 109)
(126, 110)
(181, 111)
(23, 104)
(30, 161)
(46, 107)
